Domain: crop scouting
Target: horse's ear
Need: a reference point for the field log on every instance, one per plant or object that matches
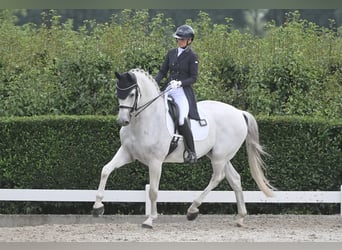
(117, 75)
(132, 77)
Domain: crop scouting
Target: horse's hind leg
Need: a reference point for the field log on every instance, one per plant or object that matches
(120, 158)
(216, 178)
(234, 180)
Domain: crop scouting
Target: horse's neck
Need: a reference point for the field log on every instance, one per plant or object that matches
(152, 116)
(153, 113)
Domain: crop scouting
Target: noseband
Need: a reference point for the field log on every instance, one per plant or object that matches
(135, 104)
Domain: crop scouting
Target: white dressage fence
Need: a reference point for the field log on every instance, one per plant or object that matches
(67, 195)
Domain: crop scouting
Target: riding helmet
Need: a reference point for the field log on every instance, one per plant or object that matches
(184, 32)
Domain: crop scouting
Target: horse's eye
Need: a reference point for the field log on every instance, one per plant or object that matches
(131, 95)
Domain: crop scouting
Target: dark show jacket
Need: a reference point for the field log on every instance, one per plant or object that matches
(185, 69)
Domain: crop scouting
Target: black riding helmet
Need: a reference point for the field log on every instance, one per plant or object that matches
(184, 32)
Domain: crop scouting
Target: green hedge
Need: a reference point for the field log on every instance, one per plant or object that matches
(68, 152)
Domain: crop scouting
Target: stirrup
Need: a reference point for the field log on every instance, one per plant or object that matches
(189, 157)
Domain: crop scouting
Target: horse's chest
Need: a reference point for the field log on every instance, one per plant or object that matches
(138, 141)
(146, 143)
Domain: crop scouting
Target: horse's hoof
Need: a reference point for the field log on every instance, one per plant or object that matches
(146, 226)
(148, 223)
(192, 216)
(240, 222)
(98, 211)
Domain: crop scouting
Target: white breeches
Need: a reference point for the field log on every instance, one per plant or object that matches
(183, 104)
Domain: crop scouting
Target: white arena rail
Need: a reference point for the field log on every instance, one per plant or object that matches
(67, 195)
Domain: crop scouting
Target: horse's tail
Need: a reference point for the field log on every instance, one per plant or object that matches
(254, 152)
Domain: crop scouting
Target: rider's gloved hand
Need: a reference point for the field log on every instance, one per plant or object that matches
(175, 84)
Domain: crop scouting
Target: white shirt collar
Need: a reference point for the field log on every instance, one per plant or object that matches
(180, 51)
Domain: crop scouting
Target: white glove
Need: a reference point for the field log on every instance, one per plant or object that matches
(175, 84)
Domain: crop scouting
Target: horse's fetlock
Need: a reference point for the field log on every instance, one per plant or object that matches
(98, 205)
(197, 203)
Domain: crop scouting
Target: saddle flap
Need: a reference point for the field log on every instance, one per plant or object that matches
(173, 111)
(200, 128)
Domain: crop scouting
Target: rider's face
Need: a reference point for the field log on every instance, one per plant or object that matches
(182, 42)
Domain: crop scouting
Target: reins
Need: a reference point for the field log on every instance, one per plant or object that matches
(144, 106)
(140, 109)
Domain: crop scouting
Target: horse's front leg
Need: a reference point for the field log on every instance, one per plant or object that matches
(155, 173)
(121, 158)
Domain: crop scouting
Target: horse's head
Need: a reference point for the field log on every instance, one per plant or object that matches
(128, 94)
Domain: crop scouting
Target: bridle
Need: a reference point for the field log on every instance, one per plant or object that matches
(135, 104)
(135, 109)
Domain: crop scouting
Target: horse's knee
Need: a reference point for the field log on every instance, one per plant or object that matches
(153, 194)
(106, 171)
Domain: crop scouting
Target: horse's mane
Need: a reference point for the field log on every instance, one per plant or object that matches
(143, 72)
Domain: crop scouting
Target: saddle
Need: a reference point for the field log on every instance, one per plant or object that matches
(174, 114)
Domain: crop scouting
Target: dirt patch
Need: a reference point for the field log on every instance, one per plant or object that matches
(207, 228)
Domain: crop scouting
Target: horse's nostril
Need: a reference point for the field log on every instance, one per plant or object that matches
(122, 122)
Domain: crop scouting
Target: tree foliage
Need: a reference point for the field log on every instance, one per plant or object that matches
(51, 68)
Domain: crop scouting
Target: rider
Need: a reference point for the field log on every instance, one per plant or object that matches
(182, 65)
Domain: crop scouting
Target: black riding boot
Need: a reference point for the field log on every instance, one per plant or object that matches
(189, 154)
